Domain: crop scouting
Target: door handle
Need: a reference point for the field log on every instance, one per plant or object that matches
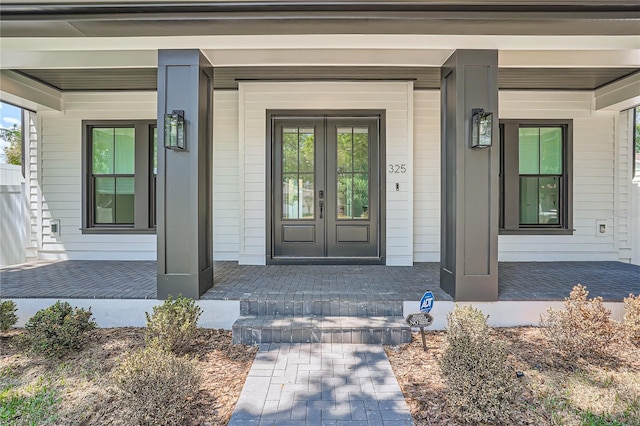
(321, 208)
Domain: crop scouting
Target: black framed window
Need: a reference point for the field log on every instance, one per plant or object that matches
(535, 176)
(118, 192)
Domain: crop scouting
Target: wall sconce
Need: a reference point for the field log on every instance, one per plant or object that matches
(174, 130)
(481, 128)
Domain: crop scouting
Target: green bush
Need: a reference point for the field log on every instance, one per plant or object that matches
(173, 324)
(632, 318)
(156, 386)
(584, 328)
(8, 317)
(57, 330)
(481, 387)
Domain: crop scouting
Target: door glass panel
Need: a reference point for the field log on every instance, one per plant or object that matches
(361, 195)
(551, 151)
(345, 149)
(298, 166)
(290, 206)
(529, 151)
(361, 149)
(290, 150)
(306, 148)
(308, 198)
(352, 187)
(345, 196)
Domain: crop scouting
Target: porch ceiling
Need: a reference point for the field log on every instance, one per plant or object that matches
(227, 78)
(174, 18)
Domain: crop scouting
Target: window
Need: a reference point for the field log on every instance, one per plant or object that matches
(535, 176)
(120, 169)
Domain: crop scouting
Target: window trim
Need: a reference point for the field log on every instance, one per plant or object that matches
(509, 179)
(142, 183)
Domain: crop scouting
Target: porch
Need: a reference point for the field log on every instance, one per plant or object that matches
(518, 281)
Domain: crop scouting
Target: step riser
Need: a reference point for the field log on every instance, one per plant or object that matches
(255, 336)
(326, 308)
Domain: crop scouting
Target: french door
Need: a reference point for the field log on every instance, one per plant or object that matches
(325, 187)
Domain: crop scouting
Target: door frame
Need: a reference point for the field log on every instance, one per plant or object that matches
(382, 158)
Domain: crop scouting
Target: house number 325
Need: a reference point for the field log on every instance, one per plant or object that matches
(397, 168)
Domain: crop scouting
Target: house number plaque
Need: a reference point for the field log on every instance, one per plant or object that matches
(397, 168)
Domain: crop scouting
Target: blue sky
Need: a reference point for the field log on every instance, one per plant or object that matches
(9, 115)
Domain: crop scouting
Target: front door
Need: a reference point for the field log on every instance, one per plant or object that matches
(325, 188)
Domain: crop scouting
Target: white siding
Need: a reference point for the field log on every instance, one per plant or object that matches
(59, 166)
(226, 188)
(623, 184)
(255, 98)
(593, 178)
(32, 183)
(426, 151)
(593, 174)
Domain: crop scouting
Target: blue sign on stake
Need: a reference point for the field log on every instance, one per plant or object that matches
(426, 303)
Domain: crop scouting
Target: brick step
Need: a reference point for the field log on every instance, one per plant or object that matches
(327, 307)
(388, 330)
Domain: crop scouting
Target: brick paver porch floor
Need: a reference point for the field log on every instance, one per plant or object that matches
(136, 280)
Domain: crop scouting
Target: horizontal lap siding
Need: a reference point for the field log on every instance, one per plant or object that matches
(256, 98)
(60, 168)
(624, 171)
(594, 159)
(426, 160)
(226, 188)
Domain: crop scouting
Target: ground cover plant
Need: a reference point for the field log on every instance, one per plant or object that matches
(80, 387)
(583, 328)
(632, 318)
(173, 324)
(8, 317)
(556, 388)
(57, 330)
(481, 386)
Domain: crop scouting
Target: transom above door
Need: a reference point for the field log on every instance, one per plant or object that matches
(325, 189)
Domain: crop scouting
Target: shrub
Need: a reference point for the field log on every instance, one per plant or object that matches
(174, 323)
(481, 387)
(632, 318)
(57, 330)
(155, 385)
(584, 328)
(8, 317)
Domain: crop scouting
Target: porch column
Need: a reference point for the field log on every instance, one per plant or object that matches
(469, 187)
(185, 264)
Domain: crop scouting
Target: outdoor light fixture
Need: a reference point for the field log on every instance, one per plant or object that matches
(174, 130)
(481, 125)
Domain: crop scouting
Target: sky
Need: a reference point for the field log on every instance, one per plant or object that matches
(9, 115)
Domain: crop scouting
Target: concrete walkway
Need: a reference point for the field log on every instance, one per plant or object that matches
(328, 384)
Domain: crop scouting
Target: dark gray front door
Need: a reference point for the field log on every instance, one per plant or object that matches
(325, 188)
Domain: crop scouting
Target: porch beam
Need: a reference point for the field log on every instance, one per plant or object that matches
(469, 184)
(619, 95)
(185, 260)
(28, 93)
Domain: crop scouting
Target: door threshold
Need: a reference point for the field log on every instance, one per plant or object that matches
(294, 260)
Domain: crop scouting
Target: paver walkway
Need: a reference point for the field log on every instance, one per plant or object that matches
(332, 384)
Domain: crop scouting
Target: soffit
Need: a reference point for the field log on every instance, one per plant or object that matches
(423, 78)
(195, 18)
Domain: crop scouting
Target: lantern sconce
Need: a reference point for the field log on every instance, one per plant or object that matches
(481, 128)
(174, 130)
